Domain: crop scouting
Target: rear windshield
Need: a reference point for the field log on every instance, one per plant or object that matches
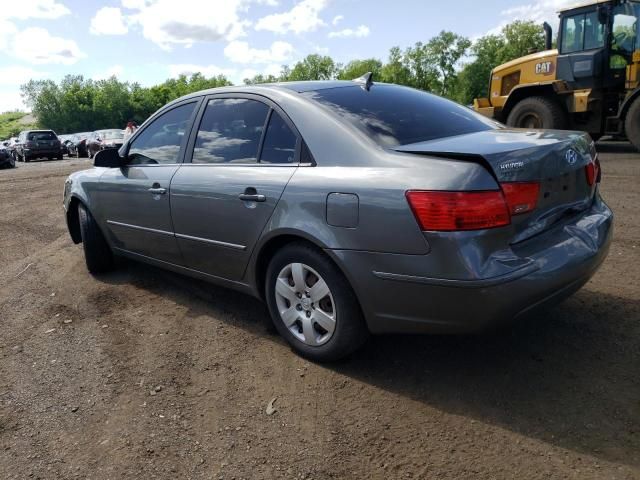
(394, 115)
(41, 136)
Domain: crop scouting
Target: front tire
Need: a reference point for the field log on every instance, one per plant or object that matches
(632, 123)
(537, 113)
(97, 254)
(312, 304)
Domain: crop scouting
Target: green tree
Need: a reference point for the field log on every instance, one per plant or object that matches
(514, 41)
(521, 38)
(312, 67)
(357, 68)
(396, 70)
(444, 53)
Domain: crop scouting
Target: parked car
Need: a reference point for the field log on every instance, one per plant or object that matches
(350, 208)
(64, 143)
(78, 145)
(11, 146)
(6, 157)
(34, 144)
(101, 139)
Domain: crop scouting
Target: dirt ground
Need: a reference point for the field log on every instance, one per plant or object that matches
(148, 374)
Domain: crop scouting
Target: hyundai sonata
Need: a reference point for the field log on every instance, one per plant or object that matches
(350, 208)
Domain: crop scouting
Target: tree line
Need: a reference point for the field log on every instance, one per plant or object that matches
(448, 64)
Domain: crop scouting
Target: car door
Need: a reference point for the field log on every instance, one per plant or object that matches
(134, 200)
(238, 164)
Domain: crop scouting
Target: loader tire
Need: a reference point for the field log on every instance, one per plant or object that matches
(537, 112)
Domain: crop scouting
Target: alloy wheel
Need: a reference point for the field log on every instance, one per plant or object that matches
(305, 304)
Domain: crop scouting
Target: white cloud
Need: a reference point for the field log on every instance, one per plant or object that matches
(192, 21)
(273, 69)
(108, 21)
(241, 52)
(16, 75)
(537, 11)
(303, 17)
(10, 101)
(360, 32)
(7, 31)
(337, 19)
(112, 71)
(24, 9)
(37, 45)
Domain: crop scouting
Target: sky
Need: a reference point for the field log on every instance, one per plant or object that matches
(148, 41)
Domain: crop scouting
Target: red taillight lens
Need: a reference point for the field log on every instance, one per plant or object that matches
(29, 144)
(521, 197)
(452, 211)
(594, 175)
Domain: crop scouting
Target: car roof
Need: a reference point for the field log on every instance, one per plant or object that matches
(299, 87)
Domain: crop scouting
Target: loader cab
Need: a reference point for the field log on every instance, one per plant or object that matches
(596, 43)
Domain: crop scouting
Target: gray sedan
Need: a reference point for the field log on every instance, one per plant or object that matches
(350, 208)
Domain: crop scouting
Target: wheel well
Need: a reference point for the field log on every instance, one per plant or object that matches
(519, 94)
(267, 252)
(73, 221)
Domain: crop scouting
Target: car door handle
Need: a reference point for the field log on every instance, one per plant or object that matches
(157, 190)
(252, 197)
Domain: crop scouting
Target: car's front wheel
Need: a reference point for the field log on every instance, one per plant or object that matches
(12, 161)
(312, 304)
(97, 253)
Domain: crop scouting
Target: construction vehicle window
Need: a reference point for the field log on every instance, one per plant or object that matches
(624, 32)
(582, 32)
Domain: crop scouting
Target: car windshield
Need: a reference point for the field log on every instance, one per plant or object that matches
(35, 136)
(111, 134)
(393, 115)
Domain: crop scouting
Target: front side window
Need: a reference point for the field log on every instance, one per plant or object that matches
(159, 143)
(230, 131)
(279, 142)
(582, 32)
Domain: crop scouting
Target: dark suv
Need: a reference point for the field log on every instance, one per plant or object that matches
(38, 144)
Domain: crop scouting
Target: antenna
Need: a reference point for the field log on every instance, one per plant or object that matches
(365, 80)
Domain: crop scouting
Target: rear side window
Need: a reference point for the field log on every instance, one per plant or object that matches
(35, 136)
(230, 131)
(279, 142)
(393, 115)
(160, 142)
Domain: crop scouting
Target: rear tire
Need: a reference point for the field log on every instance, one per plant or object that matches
(632, 123)
(12, 162)
(60, 156)
(304, 316)
(97, 254)
(538, 113)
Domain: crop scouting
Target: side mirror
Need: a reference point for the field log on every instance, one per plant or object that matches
(109, 158)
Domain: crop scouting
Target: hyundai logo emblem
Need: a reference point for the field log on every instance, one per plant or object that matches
(571, 156)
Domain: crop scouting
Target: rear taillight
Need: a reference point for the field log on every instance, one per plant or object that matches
(29, 144)
(521, 197)
(456, 211)
(592, 170)
(452, 211)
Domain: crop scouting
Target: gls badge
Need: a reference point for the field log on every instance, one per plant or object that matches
(571, 156)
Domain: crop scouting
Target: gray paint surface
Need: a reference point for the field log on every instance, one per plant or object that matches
(351, 203)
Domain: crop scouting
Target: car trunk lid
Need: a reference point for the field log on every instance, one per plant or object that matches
(556, 160)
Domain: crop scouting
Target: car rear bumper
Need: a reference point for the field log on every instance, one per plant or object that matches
(552, 266)
(42, 152)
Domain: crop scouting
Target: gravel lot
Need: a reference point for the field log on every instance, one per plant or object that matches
(147, 374)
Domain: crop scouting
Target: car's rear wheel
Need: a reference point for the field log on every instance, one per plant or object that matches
(12, 161)
(60, 156)
(97, 254)
(312, 304)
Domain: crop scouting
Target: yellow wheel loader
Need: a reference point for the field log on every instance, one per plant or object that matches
(590, 82)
